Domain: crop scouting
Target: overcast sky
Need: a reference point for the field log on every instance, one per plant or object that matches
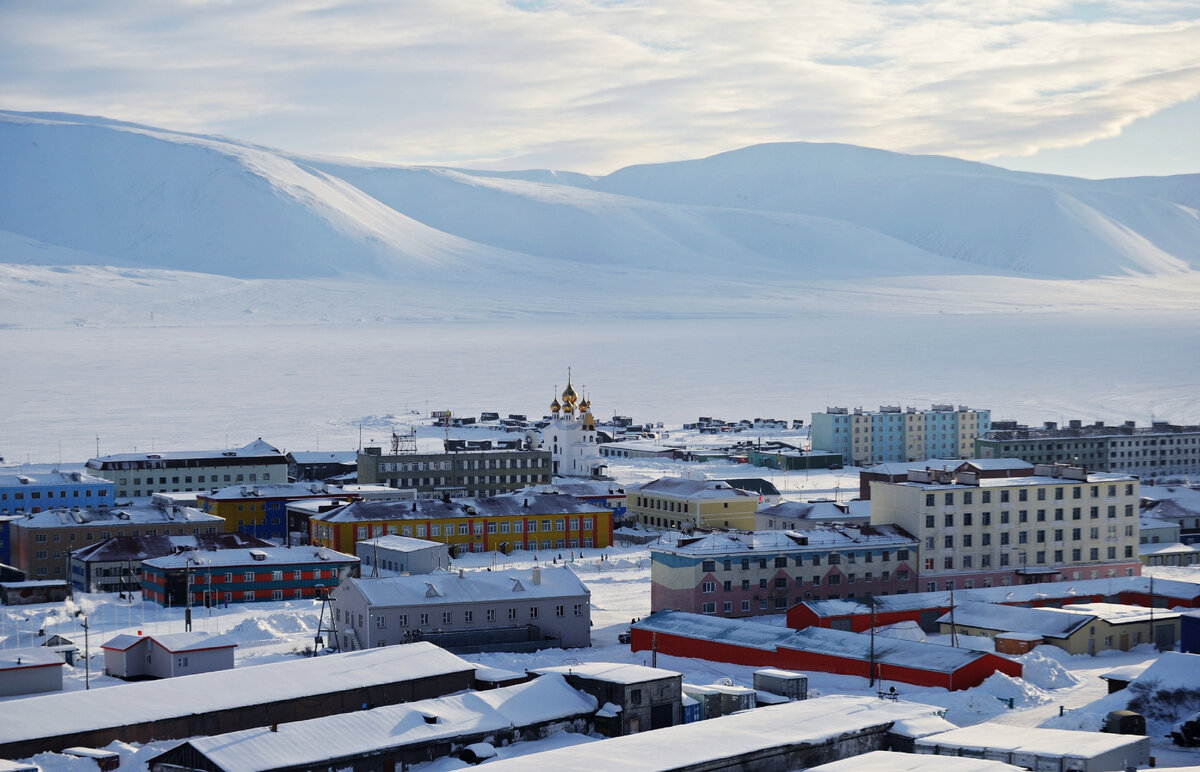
(1090, 88)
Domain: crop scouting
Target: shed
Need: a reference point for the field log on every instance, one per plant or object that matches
(165, 656)
(105, 760)
(29, 671)
(891, 761)
(402, 554)
(1036, 748)
(708, 698)
(647, 697)
(786, 683)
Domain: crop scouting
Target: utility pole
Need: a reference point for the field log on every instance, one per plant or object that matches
(871, 669)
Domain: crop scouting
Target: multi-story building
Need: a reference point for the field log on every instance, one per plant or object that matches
(512, 610)
(747, 574)
(115, 565)
(261, 509)
(21, 493)
(1062, 523)
(865, 437)
(535, 521)
(1158, 451)
(41, 544)
(455, 473)
(143, 474)
(244, 576)
(676, 502)
(319, 465)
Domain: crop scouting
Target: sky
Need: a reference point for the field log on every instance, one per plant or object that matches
(1092, 89)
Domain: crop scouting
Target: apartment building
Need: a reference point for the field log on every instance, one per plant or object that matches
(748, 574)
(144, 474)
(41, 544)
(676, 502)
(210, 578)
(866, 437)
(534, 521)
(1158, 451)
(1060, 524)
(33, 492)
(456, 473)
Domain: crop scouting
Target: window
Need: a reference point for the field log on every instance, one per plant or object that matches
(424, 618)
(708, 608)
(491, 615)
(708, 566)
(248, 576)
(781, 582)
(447, 617)
(709, 587)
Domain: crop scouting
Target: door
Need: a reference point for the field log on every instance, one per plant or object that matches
(662, 716)
(1164, 637)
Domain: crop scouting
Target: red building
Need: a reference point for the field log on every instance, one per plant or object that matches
(739, 642)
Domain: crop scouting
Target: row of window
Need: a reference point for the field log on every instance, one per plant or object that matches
(479, 527)
(1040, 536)
(1005, 581)
(448, 616)
(62, 494)
(90, 536)
(781, 561)
(782, 582)
(967, 562)
(266, 476)
(985, 519)
(985, 496)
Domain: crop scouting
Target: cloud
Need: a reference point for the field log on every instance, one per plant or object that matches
(591, 85)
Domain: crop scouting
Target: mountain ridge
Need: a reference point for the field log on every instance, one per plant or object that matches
(133, 195)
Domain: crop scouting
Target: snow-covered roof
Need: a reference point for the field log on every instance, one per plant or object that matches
(81, 711)
(270, 556)
(273, 491)
(1025, 593)
(807, 510)
(818, 538)
(20, 659)
(1043, 742)
(401, 543)
(441, 587)
(172, 642)
(687, 745)
(692, 489)
(41, 479)
(1173, 548)
(323, 457)
(1120, 613)
(143, 515)
(321, 742)
(997, 464)
(127, 548)
(1049, 622)
(1127, 672)
(894, 761)
(580, 489)
(901, 468)
(255, 449)
(531, 505)
(1175, 668)
(1019, 482)
(817, 640)
(612, 672)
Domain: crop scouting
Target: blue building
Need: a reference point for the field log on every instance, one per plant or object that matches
(25, 494)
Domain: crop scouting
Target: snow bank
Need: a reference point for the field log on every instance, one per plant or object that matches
(1046, 672)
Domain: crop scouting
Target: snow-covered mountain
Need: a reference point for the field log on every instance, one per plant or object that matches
(78, 190)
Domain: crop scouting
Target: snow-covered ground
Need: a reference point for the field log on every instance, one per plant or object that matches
(270, 632)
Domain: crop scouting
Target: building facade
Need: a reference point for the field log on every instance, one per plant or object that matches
(866, 437)
(22, 493)
(42, 543)
(261, 509)
(461, 611)
(533, 521)
(1062, 523)
(402, 554)
(679, 503)
(1158, 451)
(456, 473)
(570, 436)
(749, 574)
(115, 565)
(143, 474)
(245, 576)
(166, 656)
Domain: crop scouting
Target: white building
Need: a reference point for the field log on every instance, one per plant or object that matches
(167, 655)
(144, 474)
(571, 437)
(508, 610)
(402, 554)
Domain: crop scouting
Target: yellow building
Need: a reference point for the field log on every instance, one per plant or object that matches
(1078, 628)
(675, 502)
(534, 521)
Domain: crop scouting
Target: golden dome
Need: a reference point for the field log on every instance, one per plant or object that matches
(569, 397)
(555, 407)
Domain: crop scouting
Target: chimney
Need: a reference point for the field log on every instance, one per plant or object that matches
(537, 575)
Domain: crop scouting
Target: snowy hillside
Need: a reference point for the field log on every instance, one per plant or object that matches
(82, 190)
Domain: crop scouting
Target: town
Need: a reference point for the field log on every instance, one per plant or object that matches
(854, 589)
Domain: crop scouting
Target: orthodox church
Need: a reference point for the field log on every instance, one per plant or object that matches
(571, 436)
